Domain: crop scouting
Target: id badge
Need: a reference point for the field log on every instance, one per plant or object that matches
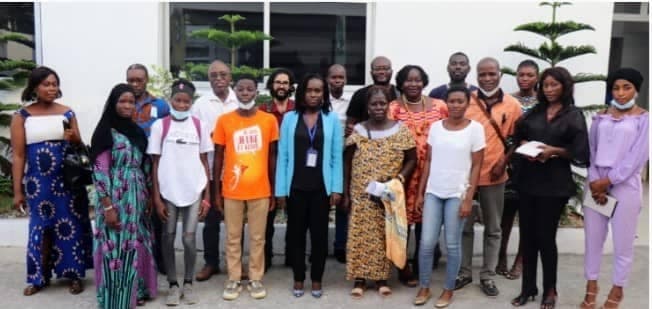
(311, 158)
(153, 112)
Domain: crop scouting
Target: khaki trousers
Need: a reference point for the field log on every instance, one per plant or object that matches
(234, 211)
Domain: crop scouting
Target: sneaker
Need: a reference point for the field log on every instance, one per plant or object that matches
(188, 296)
(462, 281)
(174, 296)
(232, 290)
(256, 289)
(489, 287)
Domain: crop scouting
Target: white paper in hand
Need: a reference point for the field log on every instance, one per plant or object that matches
(376, 188)
(606, 210)
(530, 149)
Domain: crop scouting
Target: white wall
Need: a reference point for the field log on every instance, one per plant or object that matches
(426, 33)
(90, 46)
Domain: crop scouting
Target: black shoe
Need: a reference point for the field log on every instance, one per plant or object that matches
(340, 255)
(462, 281)
(489, 287)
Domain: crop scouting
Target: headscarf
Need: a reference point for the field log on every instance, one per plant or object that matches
(631, 75)
(102, 138)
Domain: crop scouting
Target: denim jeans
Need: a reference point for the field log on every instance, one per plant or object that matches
(438, 211)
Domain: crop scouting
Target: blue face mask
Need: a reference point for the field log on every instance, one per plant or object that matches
(624, 106)
(179, 115)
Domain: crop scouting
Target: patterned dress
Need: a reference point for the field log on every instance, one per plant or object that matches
(377, 159)
(419, 125)
(124, 266)
(54, 211)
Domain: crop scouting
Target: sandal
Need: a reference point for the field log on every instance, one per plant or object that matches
(297, 289)
(611, 301)
(32, 289)
(501, 268)
(76, 287)
(515, 272)
(140, 302)
(359, 287)
(549, 301)
(589, 304)
(383, 288)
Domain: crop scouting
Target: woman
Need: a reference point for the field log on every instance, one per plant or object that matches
(417, 112)
(59, 226)
(619, 142)
(545, 182)
(125, 274)
(526, 77)
(379, 149)
(455, 152)
(309, 177)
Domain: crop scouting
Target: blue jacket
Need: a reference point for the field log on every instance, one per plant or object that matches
(332, 154)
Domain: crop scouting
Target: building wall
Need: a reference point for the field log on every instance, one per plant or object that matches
(91, 44)
(426, 33)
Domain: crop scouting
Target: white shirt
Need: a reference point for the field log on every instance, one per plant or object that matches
(181, 175)
(209, 108)
(450, 164)
(340, 106)
(43, 128)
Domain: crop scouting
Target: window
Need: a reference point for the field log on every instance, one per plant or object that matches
(17, 17)
(308, 37)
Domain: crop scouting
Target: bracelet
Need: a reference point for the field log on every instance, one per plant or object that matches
(107, 208)
(400, 178)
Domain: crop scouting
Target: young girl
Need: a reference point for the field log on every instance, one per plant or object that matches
(178, 145)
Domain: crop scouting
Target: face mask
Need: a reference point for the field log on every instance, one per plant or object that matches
(248, 105)
(624, 106)
(179, 115)
(488, 94)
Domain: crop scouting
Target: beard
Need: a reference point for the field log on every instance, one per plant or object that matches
(281, 97)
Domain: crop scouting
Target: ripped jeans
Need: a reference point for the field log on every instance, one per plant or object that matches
(190, 218)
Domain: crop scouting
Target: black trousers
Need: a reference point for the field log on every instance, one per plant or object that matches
(269, 237)
(308, 210)
(538, 221)
(211, 233)
(157, 229)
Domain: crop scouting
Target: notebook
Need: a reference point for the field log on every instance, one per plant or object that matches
(606, 210)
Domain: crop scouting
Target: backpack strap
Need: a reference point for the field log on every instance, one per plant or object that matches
(167, 121)
(197, 124)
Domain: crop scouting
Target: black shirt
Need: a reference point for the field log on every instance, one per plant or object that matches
(308, 178)
(566, 130)
(358, 105)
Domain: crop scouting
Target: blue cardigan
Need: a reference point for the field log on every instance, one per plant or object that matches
(331, 157)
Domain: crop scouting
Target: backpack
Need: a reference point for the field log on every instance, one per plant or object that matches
(166, 127)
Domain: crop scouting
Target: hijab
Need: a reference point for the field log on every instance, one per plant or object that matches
(103, 139)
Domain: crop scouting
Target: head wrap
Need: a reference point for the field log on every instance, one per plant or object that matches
(631, 75)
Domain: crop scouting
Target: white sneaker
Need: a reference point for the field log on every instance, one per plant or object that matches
(256, 289)
(174, 296)
(232, 290)
(188, 295)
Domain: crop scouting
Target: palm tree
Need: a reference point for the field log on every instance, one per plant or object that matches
(551, 51)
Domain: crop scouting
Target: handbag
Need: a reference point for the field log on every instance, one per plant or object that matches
(77, 167)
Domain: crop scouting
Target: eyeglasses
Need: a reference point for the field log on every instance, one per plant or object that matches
(216, 75)
(377, 69)
(282, 82)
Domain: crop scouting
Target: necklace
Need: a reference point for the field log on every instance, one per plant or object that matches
(419, 128)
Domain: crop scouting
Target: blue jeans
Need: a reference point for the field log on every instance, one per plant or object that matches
(438, 211)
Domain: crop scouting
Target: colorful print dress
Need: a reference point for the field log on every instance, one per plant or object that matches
(55, 213)
(419, 125)
(124, 265)
(378, 159)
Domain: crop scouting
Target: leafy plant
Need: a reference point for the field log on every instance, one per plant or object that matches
(551, 51)
(233, 39)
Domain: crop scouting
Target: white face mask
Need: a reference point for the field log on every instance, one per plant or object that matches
(624, 106)
(488, 94)
(247, 105)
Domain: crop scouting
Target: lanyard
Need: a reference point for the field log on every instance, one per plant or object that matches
(311, 135)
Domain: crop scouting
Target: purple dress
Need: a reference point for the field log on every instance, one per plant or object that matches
(619, 150)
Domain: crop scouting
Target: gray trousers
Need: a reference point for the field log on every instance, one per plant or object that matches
(491, 204)
(190, 217)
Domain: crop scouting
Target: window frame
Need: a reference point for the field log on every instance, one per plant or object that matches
(205, 86)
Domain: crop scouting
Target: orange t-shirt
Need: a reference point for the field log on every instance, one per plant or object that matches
(246, 143)
(505, 114)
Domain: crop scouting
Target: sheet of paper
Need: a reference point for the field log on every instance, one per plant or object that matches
(606, 210)
(530, 149)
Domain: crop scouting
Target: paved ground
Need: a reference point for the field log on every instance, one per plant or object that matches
(278, 281)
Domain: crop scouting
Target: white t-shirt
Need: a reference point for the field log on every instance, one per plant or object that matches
(209, 108)
(340, 106)
(450, 164)
(181, 176)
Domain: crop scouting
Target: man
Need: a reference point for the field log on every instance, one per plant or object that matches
(336, 79)
(458, 68)
(148, 109)
(381, 73)
(245, 151)
(281, 87)
(489, 101)
(208, 108)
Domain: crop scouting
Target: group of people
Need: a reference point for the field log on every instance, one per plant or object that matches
(438, 161)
